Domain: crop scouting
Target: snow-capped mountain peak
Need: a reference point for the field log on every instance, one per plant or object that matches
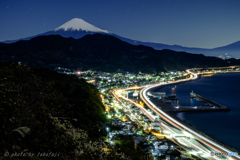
(77, 24)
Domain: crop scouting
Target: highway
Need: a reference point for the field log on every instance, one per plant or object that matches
(201, 145)
(181, 141)
(177, 124)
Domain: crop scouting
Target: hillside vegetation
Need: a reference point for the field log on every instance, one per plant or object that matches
(44, 111)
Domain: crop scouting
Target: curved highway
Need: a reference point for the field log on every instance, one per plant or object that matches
(215, 146)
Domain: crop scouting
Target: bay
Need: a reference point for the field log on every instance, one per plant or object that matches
(222, 88)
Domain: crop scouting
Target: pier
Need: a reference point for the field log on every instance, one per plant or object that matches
(215, 105)
(166, 104)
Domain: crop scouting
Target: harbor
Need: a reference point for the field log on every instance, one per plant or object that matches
(207, 101)
(168, 103)
(221, 88)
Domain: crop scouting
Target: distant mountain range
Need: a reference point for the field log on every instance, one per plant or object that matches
(77, 28)
(102, 52)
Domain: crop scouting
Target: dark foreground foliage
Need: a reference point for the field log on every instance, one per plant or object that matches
(37, 108)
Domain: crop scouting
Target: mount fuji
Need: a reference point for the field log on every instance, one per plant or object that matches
(75, 28)
(78, 28)
(79, 25)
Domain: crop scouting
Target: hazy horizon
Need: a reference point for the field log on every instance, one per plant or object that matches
(200, 23)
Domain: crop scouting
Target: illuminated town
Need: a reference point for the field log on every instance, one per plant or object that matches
(128, 105)
(120, 80)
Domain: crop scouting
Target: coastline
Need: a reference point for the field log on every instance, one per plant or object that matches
(199, 77)
(189, 124)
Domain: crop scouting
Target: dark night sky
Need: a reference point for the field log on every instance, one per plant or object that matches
(190, 23)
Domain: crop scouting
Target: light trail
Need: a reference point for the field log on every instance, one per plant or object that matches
(186, 140)
(151, 117)
(175, 122)
(138, 105)
(168, 118)
(127, 107)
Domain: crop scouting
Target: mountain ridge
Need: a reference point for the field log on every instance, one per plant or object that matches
(102, 52)
(78, 28)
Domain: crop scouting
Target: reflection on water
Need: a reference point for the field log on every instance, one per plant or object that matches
(222, 88)
(173, 91)
(181, 116)
(191, 102)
